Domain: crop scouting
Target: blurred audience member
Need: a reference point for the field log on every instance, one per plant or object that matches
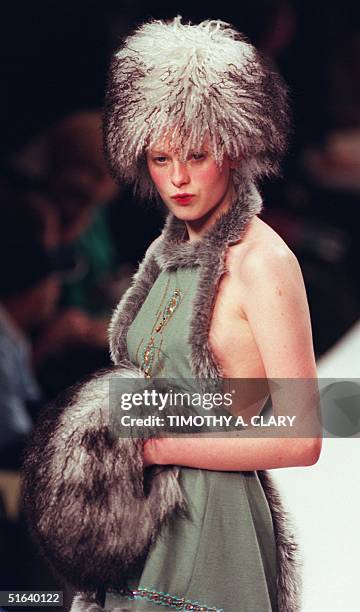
(67, 163)
(337, 164)
(77, 172)
(74, 343)
(29, 290)
(80, 186)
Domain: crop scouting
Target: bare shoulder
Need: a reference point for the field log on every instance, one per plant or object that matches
(262, 253)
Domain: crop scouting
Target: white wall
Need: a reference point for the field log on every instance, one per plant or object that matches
(324, 501)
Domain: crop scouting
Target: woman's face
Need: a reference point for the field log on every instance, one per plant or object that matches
(194, 188)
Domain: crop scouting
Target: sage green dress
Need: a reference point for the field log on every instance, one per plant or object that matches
(224, 556)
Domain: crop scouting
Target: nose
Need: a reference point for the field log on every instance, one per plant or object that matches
(179, 174)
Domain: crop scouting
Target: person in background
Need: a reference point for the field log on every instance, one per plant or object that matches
(66, 163)
(29, 291)
(74, 342)
(80, 186)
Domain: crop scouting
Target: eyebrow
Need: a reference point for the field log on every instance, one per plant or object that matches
(202, 149)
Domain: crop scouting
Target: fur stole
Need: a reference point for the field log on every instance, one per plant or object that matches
(89, 504)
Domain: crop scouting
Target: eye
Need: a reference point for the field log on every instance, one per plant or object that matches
(198, 155)
(160, 159)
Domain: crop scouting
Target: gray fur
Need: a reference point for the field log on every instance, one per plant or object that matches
(92, 509)
(289, 575)
(83, 603)
(130, 304)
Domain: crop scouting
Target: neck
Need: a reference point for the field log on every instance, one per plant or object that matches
(227, 227)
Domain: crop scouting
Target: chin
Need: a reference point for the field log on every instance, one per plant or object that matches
(188, 215)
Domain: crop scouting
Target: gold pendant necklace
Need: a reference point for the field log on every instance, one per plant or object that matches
(149, 351)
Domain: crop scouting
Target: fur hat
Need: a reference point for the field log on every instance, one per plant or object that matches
(183, 83)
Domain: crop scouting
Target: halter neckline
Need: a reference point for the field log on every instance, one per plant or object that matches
(173, 251)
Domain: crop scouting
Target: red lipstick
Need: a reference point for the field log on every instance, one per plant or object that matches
(183, 198)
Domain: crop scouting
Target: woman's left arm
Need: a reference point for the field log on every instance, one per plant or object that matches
(275, 303)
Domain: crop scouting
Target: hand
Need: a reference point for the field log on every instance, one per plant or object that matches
(149, 452)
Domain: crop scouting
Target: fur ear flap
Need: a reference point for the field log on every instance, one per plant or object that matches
(89, 505)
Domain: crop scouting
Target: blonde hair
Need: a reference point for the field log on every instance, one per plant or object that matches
(184, 83)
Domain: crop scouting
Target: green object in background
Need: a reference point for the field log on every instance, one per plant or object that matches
(96, 263)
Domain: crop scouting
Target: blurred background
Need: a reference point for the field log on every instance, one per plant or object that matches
(82, 236)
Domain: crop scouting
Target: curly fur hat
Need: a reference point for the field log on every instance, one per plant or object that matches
(183, 83)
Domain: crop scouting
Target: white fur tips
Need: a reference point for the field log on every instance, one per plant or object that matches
(189, 81)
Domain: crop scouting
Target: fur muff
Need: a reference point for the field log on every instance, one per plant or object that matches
(87, 603)
(182, 84)
(90, 505)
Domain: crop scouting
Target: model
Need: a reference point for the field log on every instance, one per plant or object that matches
(195, 117)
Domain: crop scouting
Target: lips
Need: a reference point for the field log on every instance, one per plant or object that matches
(183, 198)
